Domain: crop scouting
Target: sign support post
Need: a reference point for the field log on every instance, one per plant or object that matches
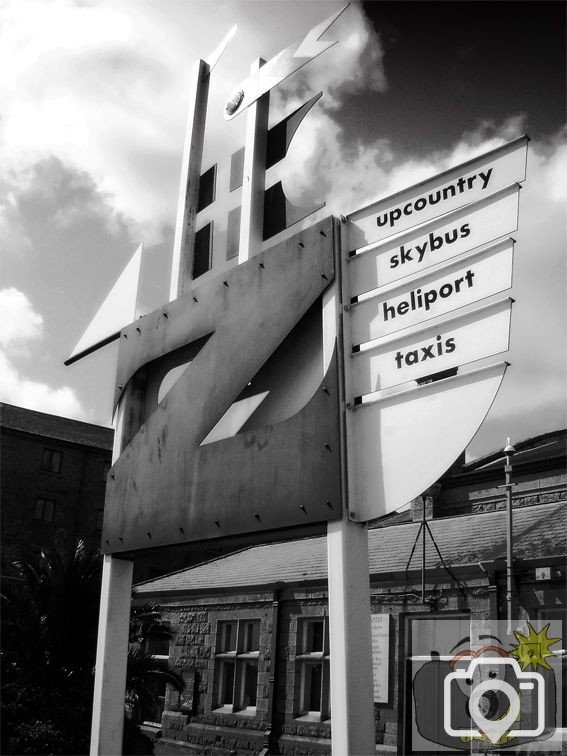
(253, 180)
(112, 645)
(352, 707)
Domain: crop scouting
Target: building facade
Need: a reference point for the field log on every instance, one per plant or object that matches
(250, 630)
(53, 481)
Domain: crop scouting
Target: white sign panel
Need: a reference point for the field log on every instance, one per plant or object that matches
(436, 242)
(448, 288)
(450, 190)
(380, 629)
(457, 341)
(419, 431)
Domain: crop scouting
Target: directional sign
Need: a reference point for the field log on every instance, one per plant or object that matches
(450, 190)
(401, 445)
(436, 242)
(456, 341)
(280, 67)
(461, 282)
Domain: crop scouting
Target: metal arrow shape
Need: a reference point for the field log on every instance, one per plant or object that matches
(280, 67)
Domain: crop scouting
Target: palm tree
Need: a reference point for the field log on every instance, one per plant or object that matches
(148, 672)
(49, 627)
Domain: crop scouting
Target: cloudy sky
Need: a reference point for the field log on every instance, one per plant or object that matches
(94, 97)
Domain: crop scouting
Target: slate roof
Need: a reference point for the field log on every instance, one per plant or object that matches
(539, 532)
(53, 426)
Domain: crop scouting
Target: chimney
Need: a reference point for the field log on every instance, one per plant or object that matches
(428, 499)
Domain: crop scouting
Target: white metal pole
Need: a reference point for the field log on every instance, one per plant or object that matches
(112, 644)
(254, 175)
(111, 657)
(184, 241)
(352, 704)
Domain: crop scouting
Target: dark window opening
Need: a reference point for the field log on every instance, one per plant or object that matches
(51, 460)
(44, 510)
(207, 188)
(203, 247)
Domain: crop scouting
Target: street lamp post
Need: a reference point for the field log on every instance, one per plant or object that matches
(509, 450)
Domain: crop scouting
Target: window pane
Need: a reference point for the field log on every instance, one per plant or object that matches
(48, 510)
(44, 510)
(251, 639)
(226, 637)
(158, 646)
(227, 683)
(313, 637)
(249, 683)
(51, 460)
(315, 677)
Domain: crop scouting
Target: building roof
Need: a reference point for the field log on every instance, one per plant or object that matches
(55, 427)
(539, 531)
(546, 446)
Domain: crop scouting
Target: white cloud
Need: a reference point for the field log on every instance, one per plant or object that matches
(21, 324)
(18, 320)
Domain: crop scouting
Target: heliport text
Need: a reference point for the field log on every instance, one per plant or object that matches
(463, 184)
(418, 298)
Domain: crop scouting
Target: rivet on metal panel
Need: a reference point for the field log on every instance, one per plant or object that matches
(328, 503)
(261, 265)
(107, 541)
(302, 507)
(324, 276)
(342, 218)
(165, 315)
(226, 284)
(323, 233)
(139, 330)
(149, 536)
(326, 389)
(120, 539)
(120, 387)
(328, 446)
(125, 335)
(302, 245)
(257, 516)
(112, 476)
(195, 300)
(181, 531)
(346, 308)
(217, 523)
(352, 515)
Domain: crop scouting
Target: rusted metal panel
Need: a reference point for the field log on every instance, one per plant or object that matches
(165, 488)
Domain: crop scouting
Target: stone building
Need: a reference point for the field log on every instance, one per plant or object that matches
(250, 632)
(53, 480)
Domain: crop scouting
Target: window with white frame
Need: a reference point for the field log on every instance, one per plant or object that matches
(313, 668)
(236, 665)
